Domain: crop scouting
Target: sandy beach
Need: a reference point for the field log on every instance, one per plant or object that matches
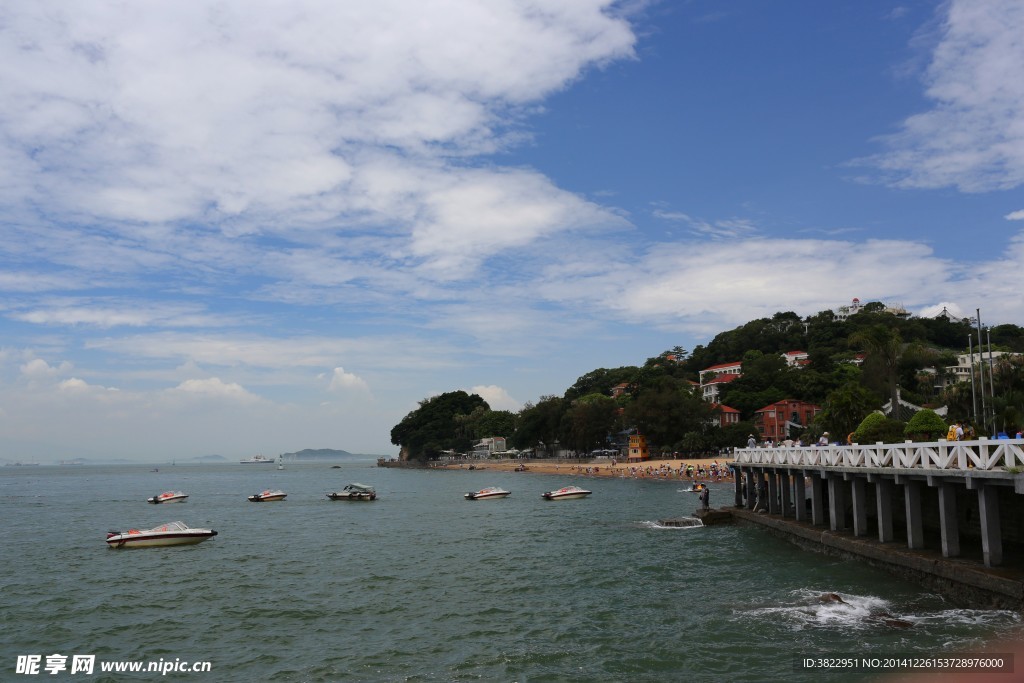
(648, 469)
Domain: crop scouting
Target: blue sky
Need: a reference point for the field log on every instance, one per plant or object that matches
(239, 227)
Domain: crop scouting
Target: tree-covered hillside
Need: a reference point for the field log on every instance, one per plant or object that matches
(853, 367)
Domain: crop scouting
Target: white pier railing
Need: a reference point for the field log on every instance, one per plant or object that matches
(983, 454)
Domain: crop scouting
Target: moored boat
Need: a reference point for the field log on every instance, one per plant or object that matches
(489, 493)
(168, 497)
(354, 492)
(171, 533)
(566, 493)
(267, 496)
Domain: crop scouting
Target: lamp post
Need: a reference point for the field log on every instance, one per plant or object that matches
(981, 375)
(991, 380)
(970, 365)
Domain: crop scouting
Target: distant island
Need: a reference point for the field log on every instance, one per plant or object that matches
(209, 458)
(323, 454)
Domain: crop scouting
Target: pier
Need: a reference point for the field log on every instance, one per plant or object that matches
(950, 513)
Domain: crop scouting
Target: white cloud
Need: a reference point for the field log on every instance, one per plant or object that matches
(74, 384)
(705, 287)
(39, 368)
(951, 308)
(264, 351)
(497, 397)
(1015, 216)
(346, 381)
(216, 388)
(115, 314)
(728, 228)
(973, 136)
(172, 112)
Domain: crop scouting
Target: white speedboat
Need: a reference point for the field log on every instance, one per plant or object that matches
(267, 496)
(489, 493)
(168, 497)
(257, 460)
(172, 533)
(354, 492)
(566, 493)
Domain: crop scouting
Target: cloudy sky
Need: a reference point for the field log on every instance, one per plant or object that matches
(246, 226)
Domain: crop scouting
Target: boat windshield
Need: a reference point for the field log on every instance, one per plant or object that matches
(359, 487)
(170, 526)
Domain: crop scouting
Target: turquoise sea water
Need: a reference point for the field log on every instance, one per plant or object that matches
(422, 585)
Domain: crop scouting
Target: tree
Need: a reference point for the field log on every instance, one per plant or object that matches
(540, 423)
(925, 425)
(733, 435)
(885, 344)
(588, 421)
(877, 427)
(600, 381)
(845, 408)
(434, 427)
(665, 410)
(493, 423)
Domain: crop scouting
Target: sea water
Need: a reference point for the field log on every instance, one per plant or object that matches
(423, 585)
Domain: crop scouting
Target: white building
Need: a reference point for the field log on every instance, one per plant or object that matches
(485, 448)
(961, 372)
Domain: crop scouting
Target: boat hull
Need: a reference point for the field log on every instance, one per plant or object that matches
(566, 493)
(164, 501)
(352, 496)
(266, 499)
(159, 539)
(487, 496)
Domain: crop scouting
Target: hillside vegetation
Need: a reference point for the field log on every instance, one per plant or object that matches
(854, 366)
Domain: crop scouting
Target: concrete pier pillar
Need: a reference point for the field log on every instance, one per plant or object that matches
(991, 536)
(817, 500)
(799, 496)
(837, 502)
(883, 506)
(738, 489)
(751, 489)
(947, 520)
(787, 494)
(773, 492)
(860, 505)
(915, 523)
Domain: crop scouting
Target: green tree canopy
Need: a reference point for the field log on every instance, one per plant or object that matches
(665, 410)
(884, 345)
(845, 408)
(434, 427)
(540, 423)
(925, 425)
(877, 427)
(588, 422)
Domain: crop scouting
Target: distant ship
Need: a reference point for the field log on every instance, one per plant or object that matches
(257, 460)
